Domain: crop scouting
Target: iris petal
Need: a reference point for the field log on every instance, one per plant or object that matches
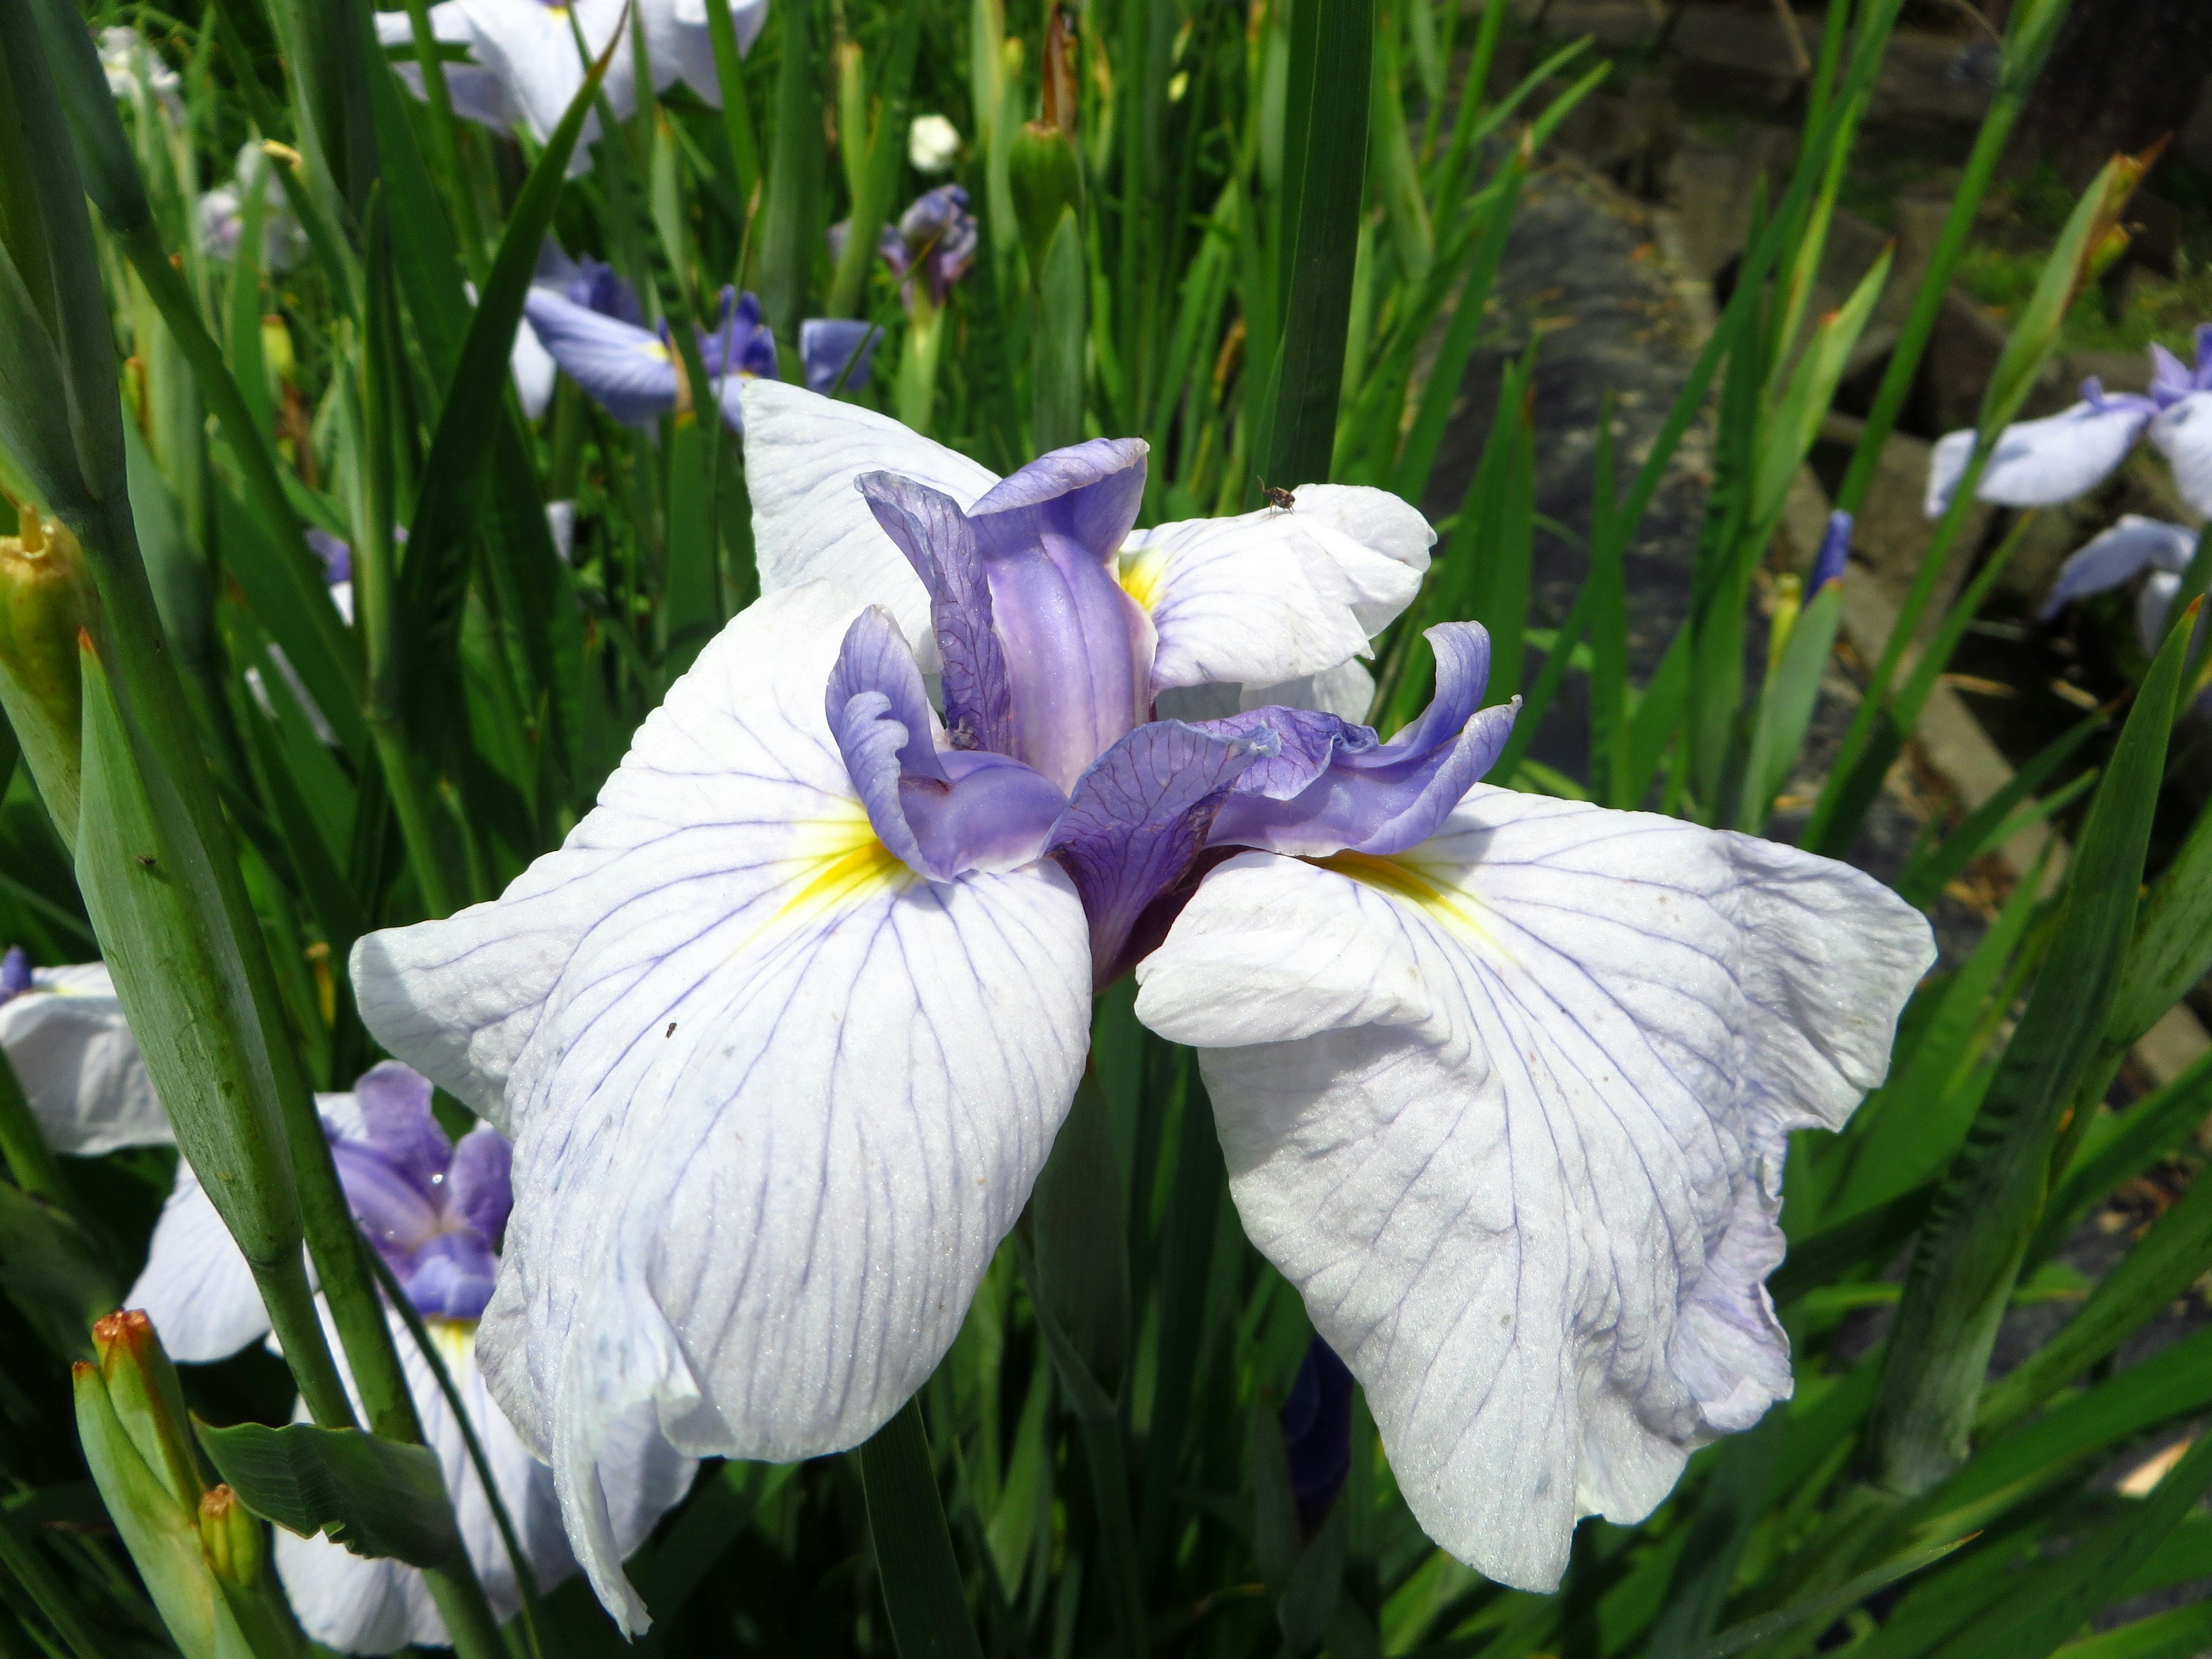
(78, 1064)
(2184, 433)
(2042, 462)
(777, 1101)
(627, 370)
(2129, 548)
(928, 527)
(196, 1287)
(1510, 1111)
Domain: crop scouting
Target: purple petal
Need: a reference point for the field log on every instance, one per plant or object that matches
(839, 353)
(940, 542)
(478, 1187)
(1078, 649)
(599, 287)
(2129, 548)
(1135, 826)
(15, 974)
(942, 815)
(740, 343)
(337, 557)
(1379, 800)
(2169, 377)
(2201, 381)
(397, 1212)
(627, 370)
(1316, 1422)
(450, 1277)
(1834, 552)
(395, 1110)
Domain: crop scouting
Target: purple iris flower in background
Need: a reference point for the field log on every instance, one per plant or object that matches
(15, 974)
(1316, 1422)
(634, 373)
(2042, 462)
(2131, 548)
(1833, 555)
(937, 235)
(839, 353)
(436, 1212)
(786, 1029)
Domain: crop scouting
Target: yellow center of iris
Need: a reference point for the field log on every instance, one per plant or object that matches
(1142, 574)
(843, 863)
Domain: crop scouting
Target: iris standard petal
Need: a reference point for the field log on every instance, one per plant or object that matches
(627, 370)
(1511, 1111)
(1078, 648)
(195, 1287)
(79, 1064)
(930, 528)
(2042, 462)
(1269, 597)
(2182, 433)
(803, 456)
(2133, 545)
(776, 1105)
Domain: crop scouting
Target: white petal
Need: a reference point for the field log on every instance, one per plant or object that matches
(1351, 521)
(776, 1100)
(2134, 544)
(196, 1287)
(2153, 607)
(532, 49)
(1271, 596)
(1346, 691)
(352, 1604)
(2042, 462)
(2184, 432)
(534, 371)
(79, 1064)
(1509, 1111)
(809, 524)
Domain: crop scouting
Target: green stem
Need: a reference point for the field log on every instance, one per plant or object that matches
(445, 142)
(30, 1161)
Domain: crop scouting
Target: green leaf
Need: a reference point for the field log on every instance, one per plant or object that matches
(915, 1563)
(1963, 1272)
(1056, 419)
(380, 1498)
(49, 1262)
(2174, 940)
(1324, 166)
(2117, 1148)
(1785, 706)
(1930, 870)
(2181, 1634)
(1744, 1637)
(792, 214)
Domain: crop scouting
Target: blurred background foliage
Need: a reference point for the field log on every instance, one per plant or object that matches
(1278, 256)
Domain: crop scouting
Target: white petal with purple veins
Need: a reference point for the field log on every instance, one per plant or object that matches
(79, 1064)
(776, 1100)
(2183, 432)
(2042, 462)
(803, 454)
(532, 49)
(1271, 596)
(1510, 1111)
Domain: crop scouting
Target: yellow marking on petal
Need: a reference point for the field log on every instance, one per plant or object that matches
(847, 865)
(1422, 887)
(456, 1340)
(1143, 574)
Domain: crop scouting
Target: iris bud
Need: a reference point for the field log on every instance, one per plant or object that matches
(1047, 184)
(142, 1390)
(44, 601)
(232, 1538)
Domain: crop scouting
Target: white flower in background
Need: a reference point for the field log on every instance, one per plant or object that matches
(223, 216)
(436, 1212)
(63, 1032)
(526, 63)
(932, 144)
(134, 69)
(785, 1030)
(2042, 462)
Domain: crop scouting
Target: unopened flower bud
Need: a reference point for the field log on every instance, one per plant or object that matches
(231, 1536)
(142, 1388)
(45, 602)
(1047, 184)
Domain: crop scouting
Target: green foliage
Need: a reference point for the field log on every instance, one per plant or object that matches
(1267, 243)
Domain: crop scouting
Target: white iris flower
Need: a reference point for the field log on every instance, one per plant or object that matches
(785, 1030)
